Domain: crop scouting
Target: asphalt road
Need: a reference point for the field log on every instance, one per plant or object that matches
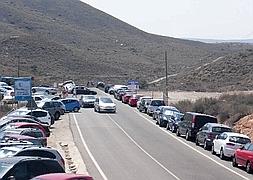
(128, 145)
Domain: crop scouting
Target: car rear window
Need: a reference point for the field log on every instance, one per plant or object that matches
(39, 153)
(221, 129)
(106, 100)
(240, 140)
(201, 120)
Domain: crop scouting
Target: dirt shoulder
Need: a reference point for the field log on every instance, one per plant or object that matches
(62, 139)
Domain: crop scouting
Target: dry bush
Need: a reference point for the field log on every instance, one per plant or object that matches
(4, 109)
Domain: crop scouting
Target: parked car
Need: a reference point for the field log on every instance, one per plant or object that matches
(36, 133)
(48, 90)
(116, 87)
(104, 104)
(208, 132)
(173, 121)
(107, 87)
(26, 125)
(41, 114)
(126, 97)
(63, 176)
(144, 104)
(134, 99)
(9, 143)
(71, 104)
(226, 143)
(28, 119)
(87, 100)
(100, 84)
(192, 122)
(44, 152)
(119, 93)
(244, 156)
(83, 90)
(153, 105)
(165, 115)
(22, 138)
(140, 99)
(24, 167)
(54, 107)
(69, 86)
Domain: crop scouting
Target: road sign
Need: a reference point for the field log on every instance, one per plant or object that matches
(23, 89)
(133, 85)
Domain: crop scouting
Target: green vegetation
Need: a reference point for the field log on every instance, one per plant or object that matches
(228, 108)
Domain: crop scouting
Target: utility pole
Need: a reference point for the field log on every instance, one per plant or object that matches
(18, 65)
(166, 77)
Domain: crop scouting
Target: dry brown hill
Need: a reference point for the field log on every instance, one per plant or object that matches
(55, 40)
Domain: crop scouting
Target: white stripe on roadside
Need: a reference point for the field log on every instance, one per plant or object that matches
(162, 166)
(208, 157)
(88, 150)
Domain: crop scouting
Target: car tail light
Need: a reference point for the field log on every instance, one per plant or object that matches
(193, 121)
(230, 144)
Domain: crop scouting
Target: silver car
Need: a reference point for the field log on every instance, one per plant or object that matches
(104, 104)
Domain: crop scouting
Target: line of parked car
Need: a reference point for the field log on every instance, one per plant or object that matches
(24, 132)
(202, 129)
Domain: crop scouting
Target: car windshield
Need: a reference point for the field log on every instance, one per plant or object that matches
(106, 100)
(240, 140)
(89, 97)
(221, 129)
(6, 152)
(4, 167)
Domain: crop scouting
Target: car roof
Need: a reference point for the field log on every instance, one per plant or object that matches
(200, 114)
(236, 134)
(61, 175)
(20, 137)
(15, 159)
(32, 147)
(218, 124)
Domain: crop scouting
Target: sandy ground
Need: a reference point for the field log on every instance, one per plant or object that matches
(61, 138)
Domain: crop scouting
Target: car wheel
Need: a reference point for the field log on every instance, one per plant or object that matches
(234, 163)
(57, 115)
(222, 154)
(161, 123)
(206, 147)
(168, 127)
(197, 141)
(248, 168)
(187, 137)
(76, 109)
(173, 129)
(213, 152)
(178, 133)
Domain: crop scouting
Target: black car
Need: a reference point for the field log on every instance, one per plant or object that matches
(24, 167)
(192, 122)
(83, 90)
(208, 132)
(166, 114)
(173, 121)
(107, 87)
(144, 104)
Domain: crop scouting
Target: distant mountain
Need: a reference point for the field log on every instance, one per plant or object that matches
(56, 40)
(249, 41)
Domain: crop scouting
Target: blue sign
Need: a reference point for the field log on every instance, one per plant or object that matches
(133, 85)
(23, 89)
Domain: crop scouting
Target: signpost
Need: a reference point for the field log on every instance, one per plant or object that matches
(23, 89)
(133, 85)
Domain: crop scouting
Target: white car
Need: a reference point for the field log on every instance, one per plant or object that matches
(139, 101)
(116, 87)
(226, 144)
(3, 84)
(104, 104)
(41, 114)
(32, 151)
(47, 90)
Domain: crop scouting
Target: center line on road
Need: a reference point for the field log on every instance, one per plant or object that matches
(193, 148)
(162, 166)
(88, 150)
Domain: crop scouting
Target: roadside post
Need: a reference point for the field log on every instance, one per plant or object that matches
(23, 89)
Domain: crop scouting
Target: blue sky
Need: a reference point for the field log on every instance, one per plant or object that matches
(208, 19)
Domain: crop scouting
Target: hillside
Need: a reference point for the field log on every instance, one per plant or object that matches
(55, 40)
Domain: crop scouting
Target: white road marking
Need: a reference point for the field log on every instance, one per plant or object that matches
(162, 166)
(88, 150)
(192, 147)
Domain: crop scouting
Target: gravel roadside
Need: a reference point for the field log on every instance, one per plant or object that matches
(61, 138)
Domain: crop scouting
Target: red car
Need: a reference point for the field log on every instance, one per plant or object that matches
(133, 100)
(125, 98)
(28, 125)
(244, 156)
(63, 176)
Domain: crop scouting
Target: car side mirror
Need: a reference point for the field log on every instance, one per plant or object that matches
(217, 137)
